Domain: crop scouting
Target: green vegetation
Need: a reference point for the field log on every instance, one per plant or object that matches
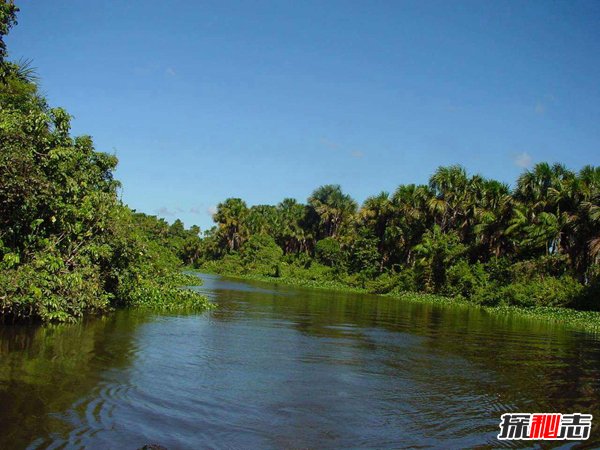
(464, 237)
(68, 246)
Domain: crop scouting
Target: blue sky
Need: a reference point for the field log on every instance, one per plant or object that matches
(204, 100)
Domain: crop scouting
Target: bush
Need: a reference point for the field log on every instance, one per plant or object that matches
(406, 281)
(465, 280)
(329, 252)
(229, 264)
(535, 269)
(364, 257)
(261, 254)
(499, 270)
(550, 291)
(590, 298)
(383, 284)
(33, 292)
(167, 293)
(300, 260)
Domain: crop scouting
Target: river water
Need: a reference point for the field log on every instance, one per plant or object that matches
(281, 367)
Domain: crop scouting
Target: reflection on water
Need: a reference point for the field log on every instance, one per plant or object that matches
(275, 367)
(45, 374)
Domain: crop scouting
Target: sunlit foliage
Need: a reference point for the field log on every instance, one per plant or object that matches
(460, 235)
(68, 246)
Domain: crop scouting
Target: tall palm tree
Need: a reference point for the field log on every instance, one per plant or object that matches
(332, 208)
(450, 188)
(548, 195)
(593, 213)
(493, 211)
(262, 219)
(586, 230)
(410, 204)
(535, 186)
(230, 217)
(291, 235)
(375, 215)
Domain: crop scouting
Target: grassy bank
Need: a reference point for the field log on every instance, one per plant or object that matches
(587, 321)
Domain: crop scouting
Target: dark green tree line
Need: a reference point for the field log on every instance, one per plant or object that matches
(460, 234)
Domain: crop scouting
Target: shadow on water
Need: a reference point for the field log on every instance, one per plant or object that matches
(280, 367)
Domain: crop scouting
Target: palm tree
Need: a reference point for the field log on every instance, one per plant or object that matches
(548, 195)
(376, 215)
(231, 216)
(435, 253)
(450, 188)
(262, 219)
(535, 186)
(409, 221)
(291, 235)
(332, 208)
(593, 213)
(586, 229)
(493, 210)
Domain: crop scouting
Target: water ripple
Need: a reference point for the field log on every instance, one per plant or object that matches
(284, 368)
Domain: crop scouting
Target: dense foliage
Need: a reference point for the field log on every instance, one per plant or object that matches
(68, 246)
(461, 235)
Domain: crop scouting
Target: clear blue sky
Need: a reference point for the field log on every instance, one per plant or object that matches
(204, 100)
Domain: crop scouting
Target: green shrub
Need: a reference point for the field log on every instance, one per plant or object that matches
(535, 269)
(316, 272)
(167, 293)
(406, 281)
(499, 270)
(465, 280)
(364, 257)
(33, 292)
(329, 252)
(229, 264)
(549, 291)
(260, 254)
(383, 284)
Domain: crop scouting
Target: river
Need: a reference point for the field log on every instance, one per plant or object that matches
(281, 367)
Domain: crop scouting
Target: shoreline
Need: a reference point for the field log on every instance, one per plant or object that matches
(576, 320)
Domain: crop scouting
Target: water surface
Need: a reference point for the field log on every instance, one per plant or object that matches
(280, 367)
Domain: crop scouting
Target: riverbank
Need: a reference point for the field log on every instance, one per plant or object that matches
(587, 321)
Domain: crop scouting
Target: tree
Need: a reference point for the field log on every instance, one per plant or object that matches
(331, 209)
(364, 256)
(261, 254)
(291, 233)
(262, 219)
(409, 221)
(478, 228)
(493, 213)
(376, 216)
(68, 246)
(436, 252)
(8, 18)
(450, 188)
(230, 217)
(329, 252)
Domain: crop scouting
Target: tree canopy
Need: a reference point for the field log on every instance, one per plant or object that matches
(460, 234)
